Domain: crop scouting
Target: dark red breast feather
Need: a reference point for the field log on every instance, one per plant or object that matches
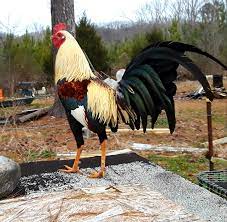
(73, 89)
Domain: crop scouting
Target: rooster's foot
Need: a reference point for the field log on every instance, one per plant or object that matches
(70, 170)
(99, 174)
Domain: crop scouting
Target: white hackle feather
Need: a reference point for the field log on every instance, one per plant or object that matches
(101, 102)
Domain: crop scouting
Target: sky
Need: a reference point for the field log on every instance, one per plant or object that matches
(19, 15)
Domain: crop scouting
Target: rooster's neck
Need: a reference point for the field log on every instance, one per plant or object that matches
(71, 63)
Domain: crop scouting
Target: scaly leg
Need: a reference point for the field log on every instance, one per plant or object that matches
(75, 168)
(101, 173)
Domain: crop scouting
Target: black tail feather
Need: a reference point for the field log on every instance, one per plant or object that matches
(147, 84)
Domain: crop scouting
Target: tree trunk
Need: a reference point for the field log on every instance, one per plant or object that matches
(61, 11)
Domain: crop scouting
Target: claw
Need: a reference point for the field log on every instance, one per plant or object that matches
(99, 174)
(70, 170)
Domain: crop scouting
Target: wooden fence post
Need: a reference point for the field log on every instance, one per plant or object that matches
(210, 152)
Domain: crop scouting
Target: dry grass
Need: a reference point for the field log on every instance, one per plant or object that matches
(187, 86)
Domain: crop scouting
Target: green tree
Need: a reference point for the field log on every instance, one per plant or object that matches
(121, 53)
(190, 35)
(26, 66)
(174, 31)
(155, 35)
(25, 59)
(137, 44)
(91, 43)
(118, 54)
(43, 55)
(8, 55)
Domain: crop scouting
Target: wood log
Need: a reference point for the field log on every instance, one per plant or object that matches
(34, 115)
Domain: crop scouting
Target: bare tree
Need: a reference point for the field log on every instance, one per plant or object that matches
(177, 10)
(153, 12)
(61, 11)
(212, 37)
(192, 10)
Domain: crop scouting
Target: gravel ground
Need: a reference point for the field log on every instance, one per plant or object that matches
(195, 199)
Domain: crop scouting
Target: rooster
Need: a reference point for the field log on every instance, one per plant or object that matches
(146, 88)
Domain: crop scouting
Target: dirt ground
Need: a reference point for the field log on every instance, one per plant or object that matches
(43, 138)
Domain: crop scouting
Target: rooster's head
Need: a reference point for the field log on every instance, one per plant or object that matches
(58, 36)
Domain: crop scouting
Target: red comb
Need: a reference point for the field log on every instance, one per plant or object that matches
(58, 27)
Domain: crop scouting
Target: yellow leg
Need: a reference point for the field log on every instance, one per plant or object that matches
(101, 173)
(75, 168)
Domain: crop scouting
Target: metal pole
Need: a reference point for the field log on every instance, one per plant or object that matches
(210, 152)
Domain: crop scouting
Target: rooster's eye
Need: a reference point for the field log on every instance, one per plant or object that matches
(60, 36)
